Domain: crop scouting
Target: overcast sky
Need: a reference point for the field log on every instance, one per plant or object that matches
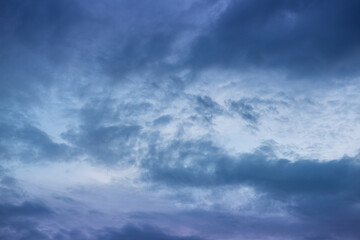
(179, 120)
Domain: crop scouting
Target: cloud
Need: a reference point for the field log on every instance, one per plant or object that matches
(203, 164)
(20, 221)
(163, 120)
(230, 225)
(84, 43)
(101, 134)
(21, 231)
(304, 39)
(9, 189)
(182, 93)
(28, 143)
(207, 108)
(108, 145)
(311, 190)
(131, 232)
(26, 209)
(246, 111)
(37, 39)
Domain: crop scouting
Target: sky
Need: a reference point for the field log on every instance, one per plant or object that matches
(179, 120)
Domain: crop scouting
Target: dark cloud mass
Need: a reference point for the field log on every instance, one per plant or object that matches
(132, 232)
(105, 144)
(21, 141)
(303, 38)
(179, 120)
(323, 193)
(19, 221)
(210, 166)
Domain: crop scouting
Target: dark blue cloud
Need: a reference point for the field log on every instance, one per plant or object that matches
(28, 143)
(139, 52)
(26, 209)
(246, 111)
(303, 38)
(207, 108)
(211, 166)
(131, 232)
(20, 221)
(105, 145)
(9, 190)
(35, 42)
(163, 120)
(22, 230)
(224, 225)
(41, 41)
(314, 191)
(101, 135)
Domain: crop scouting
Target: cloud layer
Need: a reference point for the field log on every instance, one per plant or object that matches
(185, 120)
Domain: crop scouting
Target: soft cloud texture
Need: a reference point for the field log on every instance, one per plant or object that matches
(181, 120)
